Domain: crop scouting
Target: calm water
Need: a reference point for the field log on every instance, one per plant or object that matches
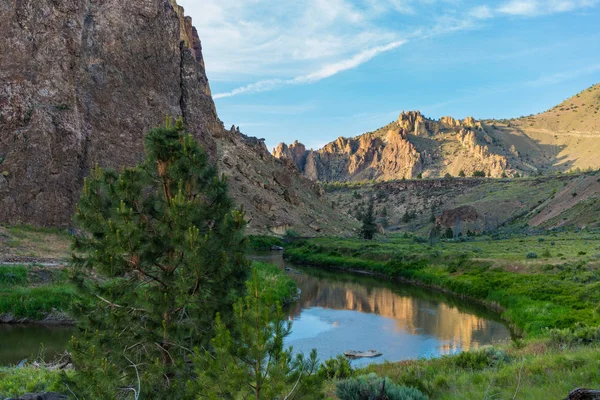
(336, 312)
(31, 342)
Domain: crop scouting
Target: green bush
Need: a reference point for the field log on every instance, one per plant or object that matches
(531, 255)
(336, 368)
(570, 337)
(13, 275)
(17, 381)
(371, 387)
(263, 243)
(481, 359)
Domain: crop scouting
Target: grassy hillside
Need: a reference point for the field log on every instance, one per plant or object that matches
(548, 202)
(564, 138)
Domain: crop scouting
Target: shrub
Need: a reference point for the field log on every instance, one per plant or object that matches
(371, 387)
(546, 254)
(531, 255)
(574, 336)
(481, 359)
(13, 275)
(290, 233)
(263, 243)
(336, 368)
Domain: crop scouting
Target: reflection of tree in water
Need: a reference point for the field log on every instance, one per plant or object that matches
(415, 310)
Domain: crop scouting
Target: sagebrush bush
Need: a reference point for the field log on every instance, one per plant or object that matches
(480, 359)
(371, 387)
(574, 336)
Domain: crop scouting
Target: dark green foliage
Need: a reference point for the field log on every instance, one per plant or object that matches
(371, 387)
(263, 243)
(408, 216)
(250, 362)
(449, 233)
(170, 251)
(479, 174)
(531, 255)
(369, 227)
(447, 176)
(290, 233)
(13, 275)
(336, 368)
(462, 174)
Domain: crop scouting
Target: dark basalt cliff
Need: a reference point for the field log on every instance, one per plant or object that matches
(81, 82)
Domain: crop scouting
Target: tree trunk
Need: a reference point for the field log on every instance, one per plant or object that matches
(584, 394)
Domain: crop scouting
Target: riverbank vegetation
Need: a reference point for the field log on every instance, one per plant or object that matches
(34, 293)
(546, 286)
(558, 288)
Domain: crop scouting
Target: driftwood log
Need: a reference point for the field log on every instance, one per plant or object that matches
(584, 394)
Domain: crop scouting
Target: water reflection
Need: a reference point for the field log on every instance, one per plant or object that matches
(32, 342)
(338, 312)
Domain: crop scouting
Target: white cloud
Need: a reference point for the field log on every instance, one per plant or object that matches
(278, 43)
(529, 8)
(326, 71)
(481, 12)
(564, 76)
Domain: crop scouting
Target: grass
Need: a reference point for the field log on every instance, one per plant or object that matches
(35, 303)
(14, 382)
(27, 241)
(535, 294)
(13, 275)
(534, 372)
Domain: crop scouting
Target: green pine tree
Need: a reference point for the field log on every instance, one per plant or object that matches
(369, 227)
(167, 250)
(251, 362)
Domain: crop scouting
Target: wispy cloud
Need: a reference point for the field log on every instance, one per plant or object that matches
(530, 8)
(564, 76)
(326, 71)
(264, 45)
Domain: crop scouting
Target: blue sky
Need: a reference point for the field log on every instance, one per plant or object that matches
(314, 70)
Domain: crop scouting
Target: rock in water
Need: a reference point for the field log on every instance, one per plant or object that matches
(362, 354)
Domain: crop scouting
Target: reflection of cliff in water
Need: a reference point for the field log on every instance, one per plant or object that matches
(416, 310)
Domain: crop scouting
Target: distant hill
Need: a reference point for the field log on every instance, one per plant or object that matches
(476, 205)
(563, 138)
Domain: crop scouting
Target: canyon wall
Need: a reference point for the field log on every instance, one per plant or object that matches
(81, 84)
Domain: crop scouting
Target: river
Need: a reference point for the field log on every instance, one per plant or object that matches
(336, 312)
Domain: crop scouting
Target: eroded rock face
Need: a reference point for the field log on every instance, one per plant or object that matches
(83, 82)
(407, 148)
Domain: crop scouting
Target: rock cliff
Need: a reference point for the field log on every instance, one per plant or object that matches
(411, 146)
(564, 138)
(82, 82)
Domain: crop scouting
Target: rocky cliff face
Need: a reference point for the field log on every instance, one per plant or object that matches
(564, 138)
(82, 82)
(411, 146)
